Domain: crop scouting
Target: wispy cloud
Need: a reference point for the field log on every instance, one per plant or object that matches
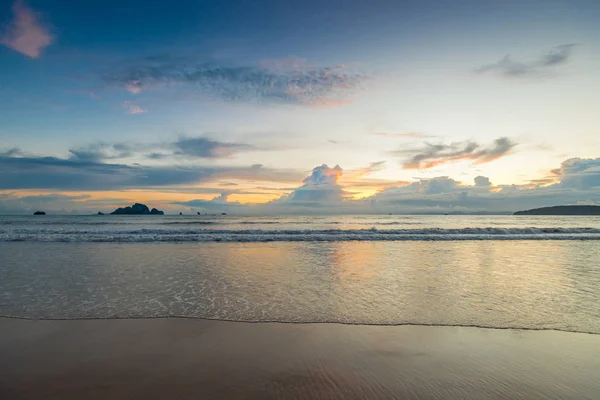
(432, 155)
(184, 147)
(13, 152)
(509, 68)
(410, 135)
(294, 84)
(368, 170)
(133, 86)
(203, 147)
(104, 151)
(25, 33)
(132, 108)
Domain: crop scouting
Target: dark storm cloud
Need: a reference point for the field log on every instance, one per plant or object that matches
(76, 174)
(432, 155)
(296, 84)
(507, 67)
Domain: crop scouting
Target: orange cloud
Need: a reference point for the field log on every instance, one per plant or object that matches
(359, 173)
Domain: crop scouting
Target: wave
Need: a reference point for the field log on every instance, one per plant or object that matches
(298, 235)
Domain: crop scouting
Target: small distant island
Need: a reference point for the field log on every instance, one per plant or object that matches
(562, 210)
(39, 213)
(137, 209)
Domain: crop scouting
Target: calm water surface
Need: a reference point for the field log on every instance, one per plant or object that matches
(481, 271)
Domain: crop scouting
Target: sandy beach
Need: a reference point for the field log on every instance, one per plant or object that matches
(194, 359)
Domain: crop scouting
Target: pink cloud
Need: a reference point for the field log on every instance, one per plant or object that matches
(134, 87)
(131, 108)
(25, 33)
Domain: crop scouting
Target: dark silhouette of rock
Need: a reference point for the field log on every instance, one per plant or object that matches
(136, 209)
(198, 213)
(562, 210)
(100, 213)
(39, 213)
(223, 213)
(180, 213)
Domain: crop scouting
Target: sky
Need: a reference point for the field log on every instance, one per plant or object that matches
(267, 107)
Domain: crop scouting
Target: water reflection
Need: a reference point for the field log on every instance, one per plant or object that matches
(530, 284)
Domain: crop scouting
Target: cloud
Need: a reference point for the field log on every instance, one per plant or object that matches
(361, 172)
(432, 155)
(579, 173)
(410, 135)
(440, 184)
(203, 147)
(11, 203)
(482, 181)
(132, 108)
(217, 204)
(13, 152)
(89, 174)
(444, 194)
(25, 33)
(509, 68)
(577, 182)
(298, 84)
(557, 55)
(103, 151)
(184, 147)
(134, 86)
(321, 186)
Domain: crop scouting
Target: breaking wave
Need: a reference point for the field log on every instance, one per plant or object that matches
(43, 234)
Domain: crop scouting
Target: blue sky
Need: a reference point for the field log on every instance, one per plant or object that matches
(192, 103)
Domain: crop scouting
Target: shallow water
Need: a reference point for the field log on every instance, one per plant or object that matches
(530, 284)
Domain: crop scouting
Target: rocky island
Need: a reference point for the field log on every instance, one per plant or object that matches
(137, 209)
(39, 213)
(562, 210)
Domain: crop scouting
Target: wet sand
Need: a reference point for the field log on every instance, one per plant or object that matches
(200, 359)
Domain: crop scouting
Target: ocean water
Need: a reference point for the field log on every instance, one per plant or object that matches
(296, 228)
(489, 271)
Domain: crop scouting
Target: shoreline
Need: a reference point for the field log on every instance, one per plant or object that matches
(224, 320)
(198, 358)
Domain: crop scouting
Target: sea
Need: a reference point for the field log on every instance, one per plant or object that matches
(509, 272)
